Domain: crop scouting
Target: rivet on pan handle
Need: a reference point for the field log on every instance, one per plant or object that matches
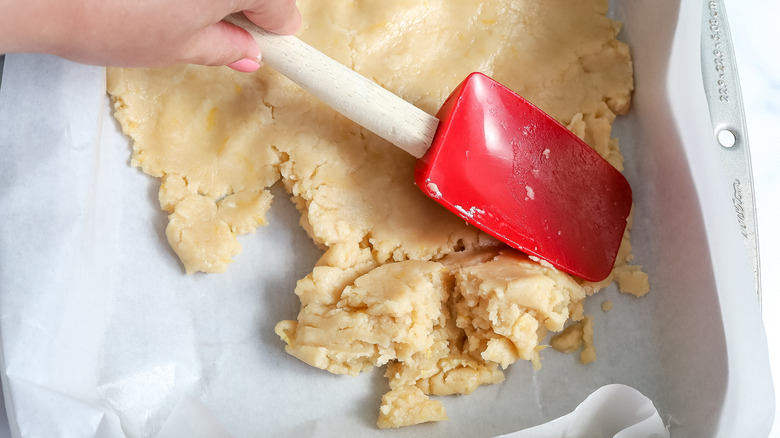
(721, 86)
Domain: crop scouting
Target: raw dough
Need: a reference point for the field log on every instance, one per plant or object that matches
(575, 336)
(403, 282)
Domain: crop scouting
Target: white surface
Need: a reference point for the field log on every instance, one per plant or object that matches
(760, 89)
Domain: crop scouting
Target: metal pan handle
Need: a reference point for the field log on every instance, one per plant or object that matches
(721, 86)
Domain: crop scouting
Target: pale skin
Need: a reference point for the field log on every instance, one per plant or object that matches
(142, 33)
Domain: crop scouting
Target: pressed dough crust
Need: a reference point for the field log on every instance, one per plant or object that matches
(402, 281)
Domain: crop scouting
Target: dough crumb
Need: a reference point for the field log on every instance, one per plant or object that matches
(577, 308)
(569, 340)
(406, 406)
(632, 280)
(606, 306)
(588, 354)
(576, 336)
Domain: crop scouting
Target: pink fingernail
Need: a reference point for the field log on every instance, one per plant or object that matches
(245, 65)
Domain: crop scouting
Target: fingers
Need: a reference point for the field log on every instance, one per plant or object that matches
(245, 65)
(222, 44)
(278, 16)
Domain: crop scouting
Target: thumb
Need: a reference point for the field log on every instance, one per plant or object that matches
(220, 44)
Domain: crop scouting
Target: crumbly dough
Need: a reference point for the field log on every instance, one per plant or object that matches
(575, 336)
(402, 282)
(407, 406)
(588, 353)
(569, 340)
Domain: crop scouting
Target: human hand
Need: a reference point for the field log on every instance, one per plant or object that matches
(142, 34)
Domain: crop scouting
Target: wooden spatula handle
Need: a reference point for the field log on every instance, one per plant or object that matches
(344, 90)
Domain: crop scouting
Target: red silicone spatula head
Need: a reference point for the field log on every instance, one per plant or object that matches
(510, 169)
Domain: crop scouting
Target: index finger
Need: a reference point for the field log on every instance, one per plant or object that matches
(277, 16)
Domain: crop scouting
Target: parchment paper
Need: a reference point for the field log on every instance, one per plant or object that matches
(103, 335)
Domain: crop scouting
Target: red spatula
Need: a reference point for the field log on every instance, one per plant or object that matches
(489, 156)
